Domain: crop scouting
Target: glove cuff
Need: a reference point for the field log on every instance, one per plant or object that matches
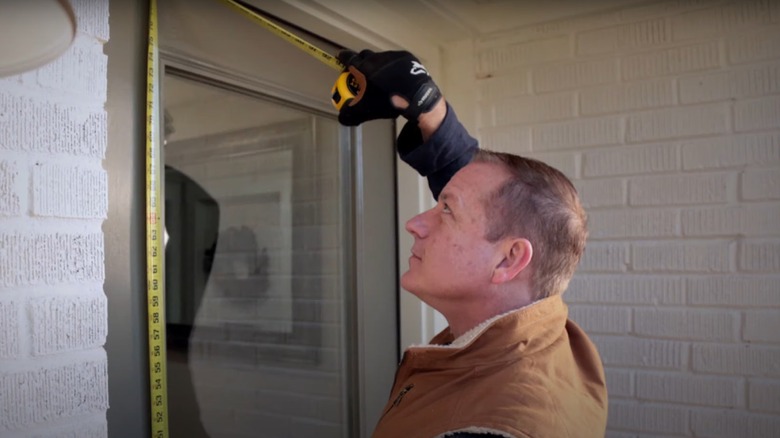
(424, 99)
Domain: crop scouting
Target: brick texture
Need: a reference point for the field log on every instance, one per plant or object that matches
(500, 87)
(619, 383)
(68, 323)
(754, 46)
(627, 289)
(763, 396)
(702, 325)
(702, 188)
(534, 109)
(644, 34)
(731, 84)
(731, 151)
(647, 158)
(42, 395)
(734, 291)
(581, 133)
(674, 148)
(85, 429)
(714, 21)
(757, 114)
(9, 329)
(50, 258)
(623, 223)
(53, 199)
(747, 359)
(699, 257)
(624, 97)
(744, 219)
(641, 353)
(762, 326)
(760, 184)
(52, 128)
(677, 122)
(602, 319)
(514, 139)
(509, 57)
(759, 256)
(602, 192)
(86, 77)
(688, 389)
(92, 17)
(9, 196)
(74, 192)
(647, 418)
(566, 162)
(730, 423)
(671, 61)
(566, 76)
(601, 257)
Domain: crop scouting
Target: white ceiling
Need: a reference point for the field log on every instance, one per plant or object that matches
(440, 21)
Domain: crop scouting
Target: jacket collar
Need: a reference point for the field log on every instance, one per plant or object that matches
(505, 337)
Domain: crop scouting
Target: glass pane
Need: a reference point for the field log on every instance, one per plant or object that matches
(254, 273)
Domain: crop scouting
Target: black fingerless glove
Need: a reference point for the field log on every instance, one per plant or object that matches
(381, 76)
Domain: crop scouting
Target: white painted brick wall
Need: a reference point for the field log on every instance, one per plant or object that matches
(650, 223)
(700, 188)
(53, 199)
(602, 319)
(763, 396)
(733, 423)
(759, 256)
(760, 184)
(682, 256)
(649, 158)
(687, 389)
(705, 325)
(674, 146)
(655, 418)
(731, 151)
(620, 383)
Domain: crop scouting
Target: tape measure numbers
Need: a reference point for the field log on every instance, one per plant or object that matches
(346, 87)
(155, 246)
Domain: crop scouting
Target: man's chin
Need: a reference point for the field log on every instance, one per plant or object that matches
(408, 283)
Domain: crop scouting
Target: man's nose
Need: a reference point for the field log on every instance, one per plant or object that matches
(418, 226)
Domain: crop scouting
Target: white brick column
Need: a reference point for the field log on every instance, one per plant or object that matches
(666, 116)
(53, 200)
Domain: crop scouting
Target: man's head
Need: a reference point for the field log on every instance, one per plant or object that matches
(539, 203)
(501, 220)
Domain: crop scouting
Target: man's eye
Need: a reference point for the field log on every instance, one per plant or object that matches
(446, 208)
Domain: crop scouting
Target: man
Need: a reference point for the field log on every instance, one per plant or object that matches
(494, 257)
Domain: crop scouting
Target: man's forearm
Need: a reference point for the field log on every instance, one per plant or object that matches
(429, 122)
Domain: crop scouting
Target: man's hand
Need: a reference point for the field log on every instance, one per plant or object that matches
(391, 83)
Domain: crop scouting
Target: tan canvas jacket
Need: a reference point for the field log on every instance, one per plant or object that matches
(528, 373)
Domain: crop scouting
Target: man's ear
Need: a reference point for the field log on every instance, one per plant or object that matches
(517, 254)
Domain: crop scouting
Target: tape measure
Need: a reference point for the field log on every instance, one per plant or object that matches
(343, 91)
(346, 86)
(155, 241)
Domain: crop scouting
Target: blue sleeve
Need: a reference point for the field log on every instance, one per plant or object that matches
(446, 151)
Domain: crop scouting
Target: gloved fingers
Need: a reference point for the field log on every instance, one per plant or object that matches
(362, 84)
(346, 57)
(372, 106)
(350, 57)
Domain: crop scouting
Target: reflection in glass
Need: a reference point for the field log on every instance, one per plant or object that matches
(254, 279)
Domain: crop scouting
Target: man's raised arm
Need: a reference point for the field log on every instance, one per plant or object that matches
(395, 83)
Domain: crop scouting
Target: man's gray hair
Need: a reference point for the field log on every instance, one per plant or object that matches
(538, 203)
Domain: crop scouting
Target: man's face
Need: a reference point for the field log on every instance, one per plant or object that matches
(451, 258)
